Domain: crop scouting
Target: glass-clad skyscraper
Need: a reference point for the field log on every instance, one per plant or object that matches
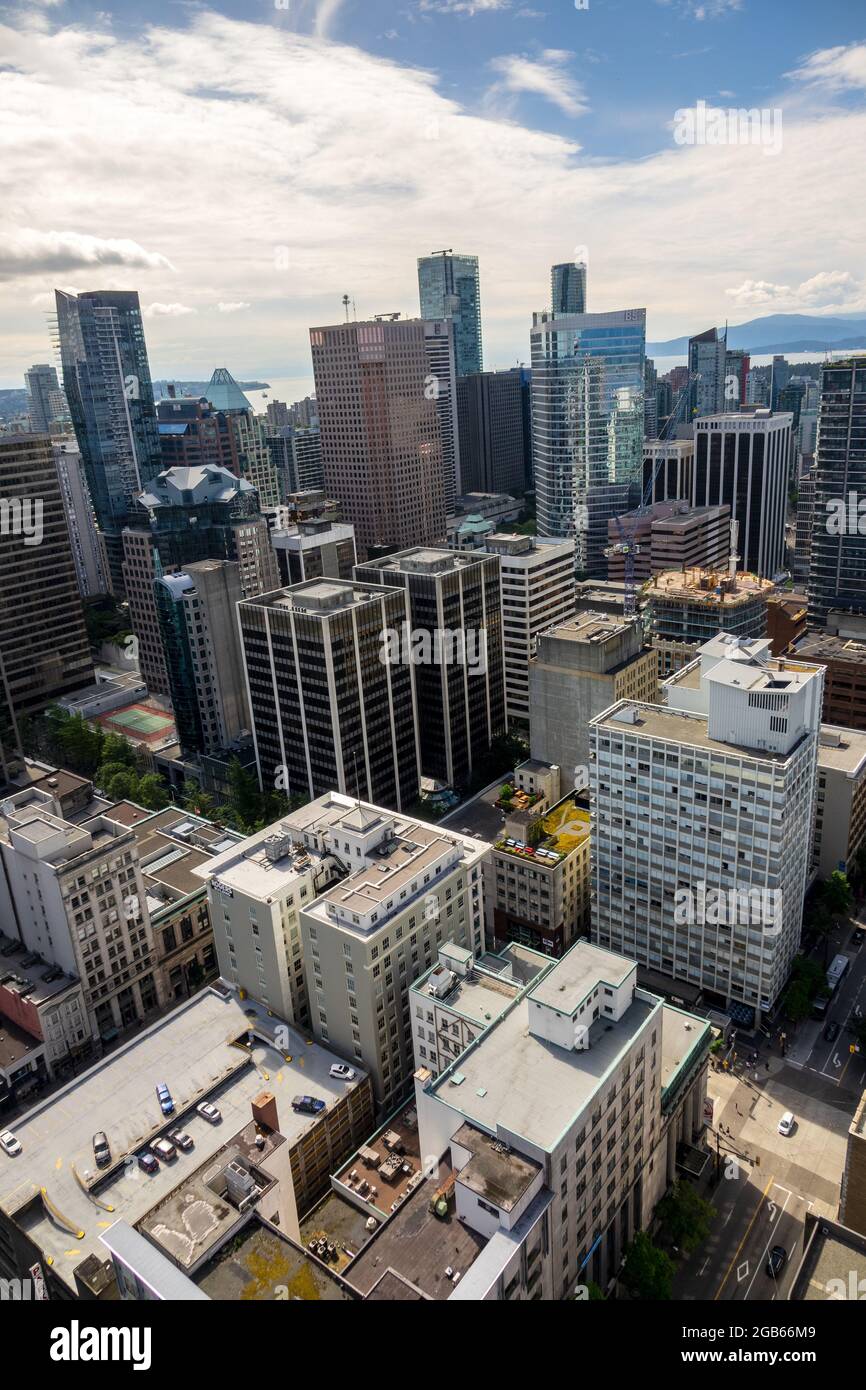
(106, 378)
(449, 289)
(568, 288)
(587, 424)
(837, 564)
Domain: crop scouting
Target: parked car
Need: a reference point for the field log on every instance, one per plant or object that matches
(340, 1072)
(209, 1112)
(786, 1124)
(149, 1162)
(831, 1032)
(308, 1105)
(776, 1261)
(9, 1144)
(181, 1140)
(164, 1150)
(163, 1095)
(101, 1149)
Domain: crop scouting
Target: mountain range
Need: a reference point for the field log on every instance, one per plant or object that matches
(781, 333)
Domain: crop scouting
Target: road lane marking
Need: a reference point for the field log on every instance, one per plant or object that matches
(743, 1241)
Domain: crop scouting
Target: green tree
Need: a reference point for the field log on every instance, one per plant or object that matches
(685, 1216)
(116, 749)
(123, 786)
(108, 770)
(195, 799)
(245, 798)
(798, 1002)
(152, 792)
(647, 1271)
(837, 896)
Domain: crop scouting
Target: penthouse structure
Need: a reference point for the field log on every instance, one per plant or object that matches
(702, 819)
(314, 548)
(328, 707)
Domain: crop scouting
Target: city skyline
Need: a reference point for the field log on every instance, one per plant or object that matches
(211, 272)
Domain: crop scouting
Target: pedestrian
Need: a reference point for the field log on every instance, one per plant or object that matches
(767, 1065)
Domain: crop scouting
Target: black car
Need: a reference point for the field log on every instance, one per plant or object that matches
(101, 1149)
(831, 1032)
(776, 1261)
(308, 1105)
(148, 1162)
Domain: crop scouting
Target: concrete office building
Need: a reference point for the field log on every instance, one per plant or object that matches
(329, 708)
(495, 445)
(454, 642)
(537, 579)
(668, 536)
(316, 548)
(559, 1125)
(77, 895)
(190, 514)
(405, 889)
(106, 378)
(805, 521)
(587, 424)
(197, 614)
(841, 650)
(840, 802)
(742, 459)
(837, 579)
(449, 287)
(581, 666)
(441, 382)
(702, 819)
(537, 879)
(381, 441)
(668, 468)
(88, 552)
(687, 608)
(44, 650)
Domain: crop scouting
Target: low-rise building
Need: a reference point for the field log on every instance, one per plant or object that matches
(840, 803)
(537, 879)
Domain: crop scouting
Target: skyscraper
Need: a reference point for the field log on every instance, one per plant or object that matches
(106, 378)
(707, 357)
(568, 288)
(197, 616)
(40, 381)
(439, 337)
(455, 614)
(742, 458)
(587, 424)
(449, 288)
(702, 822)
(494, 449)
(256, 464)
(329, 710)
(187, 514)
(381, 442)
(88, 551)
(837, 564)
(44, 651)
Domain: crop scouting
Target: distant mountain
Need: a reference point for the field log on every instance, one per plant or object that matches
(780, 333)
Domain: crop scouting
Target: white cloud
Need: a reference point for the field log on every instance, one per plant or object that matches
(545, 76)
(827, 292)
(167, 311)
(232, 306)
(839, 69)
(26, 251)
(347, 155)
(468, 7)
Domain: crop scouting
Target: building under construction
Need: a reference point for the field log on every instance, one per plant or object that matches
(689, 606)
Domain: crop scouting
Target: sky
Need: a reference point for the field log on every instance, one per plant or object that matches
(246, 164)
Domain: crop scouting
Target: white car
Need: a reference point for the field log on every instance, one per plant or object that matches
(209, 1112)
(340, 1072)
(9, 1144)
(786, 1124)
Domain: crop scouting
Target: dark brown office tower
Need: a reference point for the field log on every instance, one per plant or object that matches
(381, 446)
(44, 651)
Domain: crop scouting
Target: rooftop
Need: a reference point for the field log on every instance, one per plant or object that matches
(192, 1049)
(833, 1265)
(427, 560)
(15, 1043)
(589, 627)
(512, 1080)
(714, 588)
(675, 726)
(844, 750)
(479, 997)
(827, 646)
(564, 828)
(494, 1173)
(321, 596)
(260, 1264)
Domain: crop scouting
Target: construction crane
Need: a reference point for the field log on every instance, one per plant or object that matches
(627, 545)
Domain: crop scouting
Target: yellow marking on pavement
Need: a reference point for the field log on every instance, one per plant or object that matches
(58, 1165)
(743, 1241)
(72, 1253)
